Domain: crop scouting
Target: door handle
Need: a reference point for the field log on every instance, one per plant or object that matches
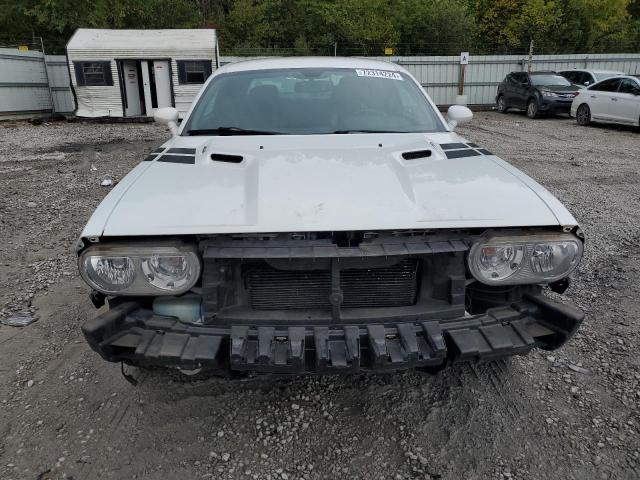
(593, 96)
(614, 99)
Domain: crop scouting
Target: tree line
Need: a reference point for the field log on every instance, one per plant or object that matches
(346, 27)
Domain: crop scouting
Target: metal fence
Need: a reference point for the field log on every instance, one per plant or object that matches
(29, 87)
(439, 75)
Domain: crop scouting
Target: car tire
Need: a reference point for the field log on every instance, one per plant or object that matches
(583, 115)
(501, 105)
(532, 108)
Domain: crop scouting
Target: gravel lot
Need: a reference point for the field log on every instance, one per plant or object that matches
(569, 414)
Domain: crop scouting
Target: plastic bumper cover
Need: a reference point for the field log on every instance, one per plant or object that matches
(556, 106)
(135, 335)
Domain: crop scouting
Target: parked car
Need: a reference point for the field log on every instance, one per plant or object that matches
(584, 78)
(536, 93)
(615, 100)
(320, 215)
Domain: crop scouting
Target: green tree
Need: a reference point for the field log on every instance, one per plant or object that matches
(368, 25)
(439, 27)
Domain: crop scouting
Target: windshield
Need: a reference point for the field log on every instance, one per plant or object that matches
(311, 101)
(549, 80)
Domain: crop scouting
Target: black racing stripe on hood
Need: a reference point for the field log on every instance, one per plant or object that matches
(462, 153)
(158, 150)
(150, 158)
(451, 146)
(484, 151)
(177, 159)
(187, 151)
(473, 145)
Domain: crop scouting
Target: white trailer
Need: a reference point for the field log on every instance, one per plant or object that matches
(131, 73)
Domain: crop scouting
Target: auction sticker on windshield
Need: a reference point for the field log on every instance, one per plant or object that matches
(378, 74)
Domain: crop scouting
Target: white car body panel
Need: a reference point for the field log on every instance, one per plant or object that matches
(324, 183)
(610, 107)
(301, 183)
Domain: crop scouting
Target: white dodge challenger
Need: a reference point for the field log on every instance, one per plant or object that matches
(319, 215)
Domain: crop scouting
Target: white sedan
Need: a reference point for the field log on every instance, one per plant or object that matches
(319, 215)
(614, 100)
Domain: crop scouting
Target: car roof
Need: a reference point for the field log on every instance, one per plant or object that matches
(620, 77)
(310, 62)
(617, 77)
(615, 72)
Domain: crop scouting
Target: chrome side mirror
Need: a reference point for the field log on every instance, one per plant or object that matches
(169, 117)
(458, 115)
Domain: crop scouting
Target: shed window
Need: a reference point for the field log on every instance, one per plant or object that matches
(92, 74)
(193, 71)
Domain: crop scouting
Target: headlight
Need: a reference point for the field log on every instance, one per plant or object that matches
(168, 268)
(512, 260)
(110, 273)
(167, 272)
(547, 93)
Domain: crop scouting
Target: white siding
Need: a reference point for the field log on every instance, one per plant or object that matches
(97, 101)
(184, 94)
(112, 45)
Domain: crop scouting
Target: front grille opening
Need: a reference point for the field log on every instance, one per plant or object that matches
(275, 289)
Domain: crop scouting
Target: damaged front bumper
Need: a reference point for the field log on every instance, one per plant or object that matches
(136, 335)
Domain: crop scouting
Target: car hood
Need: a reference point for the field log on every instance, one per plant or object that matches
(322, 183)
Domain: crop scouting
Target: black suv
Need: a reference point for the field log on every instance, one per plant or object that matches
(536, 93)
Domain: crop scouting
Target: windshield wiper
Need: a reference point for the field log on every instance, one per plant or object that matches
(229, 131)
(337, 132)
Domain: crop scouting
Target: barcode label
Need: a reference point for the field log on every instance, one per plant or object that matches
(378, 74)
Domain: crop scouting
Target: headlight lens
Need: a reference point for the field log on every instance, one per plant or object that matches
(524, 259)
(141, 269)
(548, 93)
(500, 262)
(110, 273)
(167, 272)
(549, 259)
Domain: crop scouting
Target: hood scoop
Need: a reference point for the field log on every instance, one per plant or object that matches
(416, 154)
(221, 157)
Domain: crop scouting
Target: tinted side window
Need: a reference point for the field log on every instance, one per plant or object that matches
(628, 86)
(610, 85)
(520, 77)
(513, 77)
(573, 77)
(588, 78)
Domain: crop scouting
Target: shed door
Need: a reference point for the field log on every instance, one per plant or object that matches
(163, 82)
(133, 105)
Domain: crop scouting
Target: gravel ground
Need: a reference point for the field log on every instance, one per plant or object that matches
(569, 414)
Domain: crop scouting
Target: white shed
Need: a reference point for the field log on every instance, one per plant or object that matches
(130, 73)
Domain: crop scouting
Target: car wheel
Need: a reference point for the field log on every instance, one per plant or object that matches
(583, 115)
(532, 109)
(501, 105)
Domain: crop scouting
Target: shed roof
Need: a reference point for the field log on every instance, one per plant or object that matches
(161, 40)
